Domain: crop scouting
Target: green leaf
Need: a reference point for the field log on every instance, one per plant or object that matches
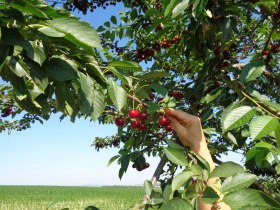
(37, 54)
(176, 156)
(155, 74)
(180, 8)
(212, 95)
(61, 68)
(148, 186)
(28, 8)
(167, 192)
(126, 80)
(113, 159)
(159, 89)
(126, 65)
(250, 198)
(237, 182)
(124, 165)
(98, 74)
(252, 71)
(92, 97)
(170, 6)
(229, 109)
(262, 126)
(238, 117)
(152, 107)
(199, 8)
(78, 32)
(277, 136)
(209, 195)
(174, 145)
(227, 169)
(113, 19)
(177, 204)
(117, 94)
(225, 26)
(181, 179)
(51, 32)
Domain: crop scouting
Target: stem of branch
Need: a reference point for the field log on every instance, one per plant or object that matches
(135, 98)
(156, 175)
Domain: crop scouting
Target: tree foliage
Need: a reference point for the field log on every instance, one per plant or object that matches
(218, 60)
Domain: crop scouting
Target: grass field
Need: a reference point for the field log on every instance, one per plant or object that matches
(39, 197)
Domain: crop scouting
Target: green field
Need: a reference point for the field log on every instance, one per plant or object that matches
(39, 197)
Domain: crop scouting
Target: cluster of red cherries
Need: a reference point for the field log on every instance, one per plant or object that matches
(165, 43)
(138, 121)
(6, 112)
(274, 48)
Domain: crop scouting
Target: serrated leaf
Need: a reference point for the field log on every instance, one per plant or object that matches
(177, 204)
(181, 179)
(28, 8)
(252, 71)
(176, 156)
(92, 97)
(113, 19)
(152, 107)
(262, 126)
(180, 8)
(249, 197)
(126, 65)
(237, 117)
(170, 6)
(117, 94)
(167, 192)
(227, 169)
(209, 195)
(174, 145)
(148, 187)
(155, 74)
(113, 159)
(124, 79)
(78, 32)
(51, 32)
(237, 182)
(61, 68)
(159, 89)
(229, 109)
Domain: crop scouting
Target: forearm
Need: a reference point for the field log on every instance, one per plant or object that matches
(202, 150)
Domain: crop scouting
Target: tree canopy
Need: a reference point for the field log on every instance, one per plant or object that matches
(218, 60)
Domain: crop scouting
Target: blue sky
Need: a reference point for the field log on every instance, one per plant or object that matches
(59, 153)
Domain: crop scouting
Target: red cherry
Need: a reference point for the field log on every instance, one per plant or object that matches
(173, 40)
(135, 124)
(142, 126)
(133, 113)
(164, 121)
(168, 128)
(177, 37)
(168, 45)
(120, 121)
(164, 40)
(265, 52)
(151, 96)
(143, 116)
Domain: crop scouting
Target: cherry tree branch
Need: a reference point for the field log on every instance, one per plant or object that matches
(156, 175)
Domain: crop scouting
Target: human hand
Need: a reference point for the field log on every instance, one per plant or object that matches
(188, 128)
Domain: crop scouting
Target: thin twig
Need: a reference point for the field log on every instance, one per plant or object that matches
(135, 98)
